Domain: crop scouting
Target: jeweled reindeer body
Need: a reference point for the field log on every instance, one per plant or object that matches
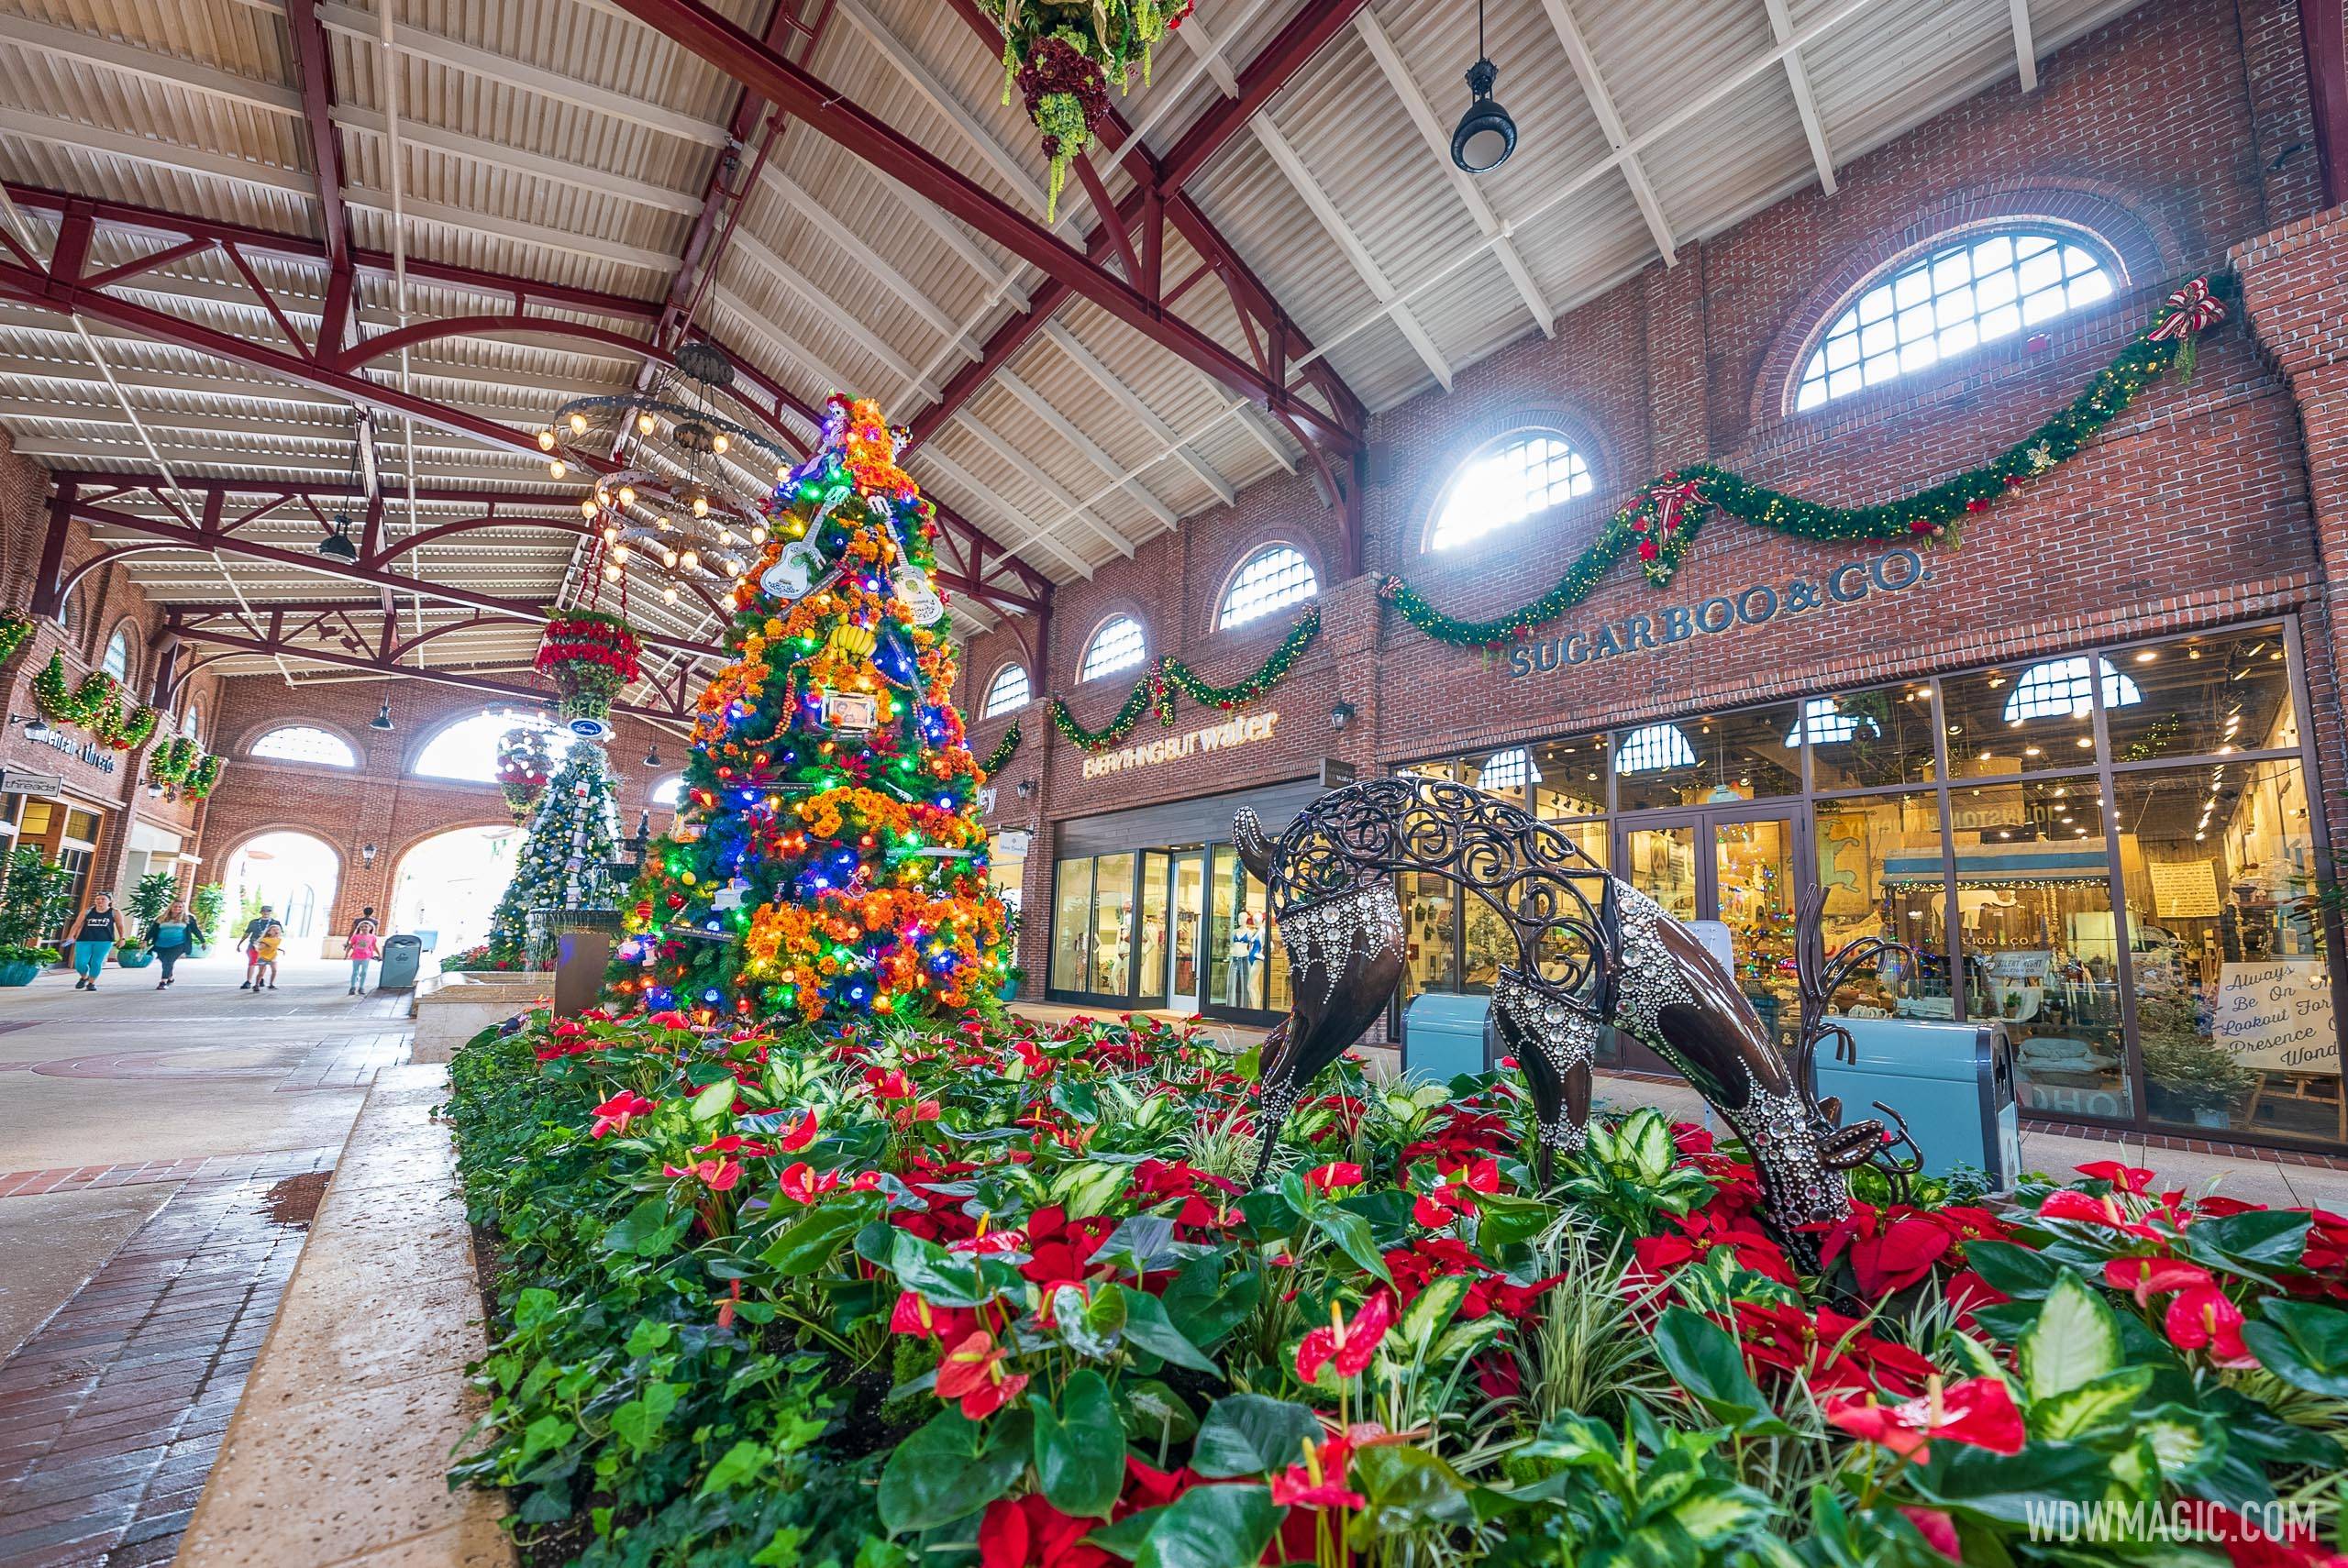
(1592, 952)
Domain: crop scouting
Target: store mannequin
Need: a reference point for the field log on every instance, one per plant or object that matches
(1246, 946)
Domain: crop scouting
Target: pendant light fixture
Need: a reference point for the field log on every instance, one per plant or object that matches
(1487, 134)
(382, 719)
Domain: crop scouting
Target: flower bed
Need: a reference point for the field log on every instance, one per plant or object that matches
(1002, 1296)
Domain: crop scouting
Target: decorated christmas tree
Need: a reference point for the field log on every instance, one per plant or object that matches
(566, 854)
(827, 860)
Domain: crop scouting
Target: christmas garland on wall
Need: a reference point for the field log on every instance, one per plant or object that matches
(1662, 519)
(96, 705)
(1156, 690)
(15, 625)
(1000, 758)
(183, 768)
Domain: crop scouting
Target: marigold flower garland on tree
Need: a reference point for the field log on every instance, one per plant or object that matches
(828, 861)
(1059, 54)
(589, 656)
(1156, 690)
(1664, 517)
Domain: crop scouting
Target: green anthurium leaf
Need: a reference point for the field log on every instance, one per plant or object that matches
(2305, 1343)
(1503, 1219)
(1353, 1237)
(1147, 1325)
(1123, 1539)
(2010, 1487)
(647, 1230)
(1251, 1434)
(1155, 1414)
(940, 1277)
(1409, 1489)
(1091, 1327)
(951, 1468)
(1203, 1305)
(806, 1244)
(2075, 1340)
(1211, 1526)
(2102, 1403)
(1704, 1360)
(2012, 1270)
(2255, 1241)
(1080, 1449)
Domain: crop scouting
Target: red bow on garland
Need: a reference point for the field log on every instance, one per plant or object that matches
(2190, 310)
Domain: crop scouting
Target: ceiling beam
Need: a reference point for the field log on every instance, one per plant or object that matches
(1258, 83)
(1125, 396)
(854, 129)
(2025, 49)
(1064, 428)
(1601, 104)
(1814, 128)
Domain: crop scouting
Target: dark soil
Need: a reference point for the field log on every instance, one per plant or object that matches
(293, 1202)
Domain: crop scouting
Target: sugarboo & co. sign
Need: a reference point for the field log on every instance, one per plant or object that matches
(1894, 571)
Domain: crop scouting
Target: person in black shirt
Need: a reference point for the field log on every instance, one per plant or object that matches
(253, 928)
(93, 940)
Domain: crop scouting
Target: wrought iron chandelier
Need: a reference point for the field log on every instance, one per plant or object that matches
(683, 500)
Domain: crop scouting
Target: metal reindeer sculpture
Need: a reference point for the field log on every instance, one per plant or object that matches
(1592, 952)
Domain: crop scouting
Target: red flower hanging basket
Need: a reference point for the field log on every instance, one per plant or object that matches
(524, 763)
(589, 656)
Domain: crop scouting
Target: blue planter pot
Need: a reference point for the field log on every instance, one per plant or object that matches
(138, 960)
(19, 973)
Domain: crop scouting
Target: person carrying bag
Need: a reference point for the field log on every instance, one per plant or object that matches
(93, 940)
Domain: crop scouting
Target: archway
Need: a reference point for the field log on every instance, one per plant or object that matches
(293, 873)
(449, 885)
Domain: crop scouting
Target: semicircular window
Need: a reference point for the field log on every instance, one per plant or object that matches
(468, 748)
(2062, 688)
(1507, 482)
(1116, 645)
(1950, 300)
(307, 742)
(1007, 694)
(1271, 579)
(1653, 747)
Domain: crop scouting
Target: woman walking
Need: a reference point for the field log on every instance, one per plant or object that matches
(364, 948)
(175, 934)
(93, 940)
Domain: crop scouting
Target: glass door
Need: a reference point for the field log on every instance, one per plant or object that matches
(1738, 867)
(1188, 908)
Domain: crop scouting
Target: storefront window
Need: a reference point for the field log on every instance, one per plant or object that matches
(1661, 863)
(1866, 740)
(1879, 861)
(2233, 994)
(1509, 775)
(1072, 908)
(2029, 718)
(1237, 935)
(1149, 975)
(1429, 963)
(2205, 696)
(1279, 994)
(1109, 972)
(1750, 756)
(2039, 940)
(1573, 779)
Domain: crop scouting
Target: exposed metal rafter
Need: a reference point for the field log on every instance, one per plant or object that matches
(1601, 105)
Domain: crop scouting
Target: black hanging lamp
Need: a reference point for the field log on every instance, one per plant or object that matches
(1487, 134)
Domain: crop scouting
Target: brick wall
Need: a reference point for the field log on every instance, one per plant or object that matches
(2172, 136)
(381, 802)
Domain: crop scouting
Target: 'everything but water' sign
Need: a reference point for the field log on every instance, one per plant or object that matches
(1853, 582)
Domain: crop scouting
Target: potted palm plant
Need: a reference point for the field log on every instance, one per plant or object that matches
(32, 903)
(150, 900)
(211, 901)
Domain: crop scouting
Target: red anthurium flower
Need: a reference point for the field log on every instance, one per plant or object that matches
(616, 1114)
(1351, 1345)
(1028, 1532)
(2247, 1546)
(2066, 1204)
(1325, 1179)
(972, 1372)
(2147, 1277)
(1319, 1481)
(915, 1316)
(1978, 1412)
(802, 1185)
(1452, 1200)
(801, 1133)
(1937, 1528)
(2127, 1178)
(718, 1175)
(2204, 1318)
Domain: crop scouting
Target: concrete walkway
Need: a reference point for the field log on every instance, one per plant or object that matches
(161, 1155)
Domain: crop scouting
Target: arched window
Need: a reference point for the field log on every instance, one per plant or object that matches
(1524, 473)
(1950, 299)
(669, 792)
(1116, 645)
(1828, 724)
(307, 742)
(1652, 748)
(116, 662)
(1507, 771)
(2060, 688)
(1007, 693)
(1269, 579)
(190, 724)
(468, 748)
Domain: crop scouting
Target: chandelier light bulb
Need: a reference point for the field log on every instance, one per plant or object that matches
(619, 552)
(557, 469)
(759, 535)
(668, 557)
(546, 440)
(725, 536)
(718, 443)
(627, 495)
(610, 573)
(781, 473)
(645, 423)
(587, 507)
(701, 506)
(691, 560)
(669, 595)
(611, 534)
(579, 424)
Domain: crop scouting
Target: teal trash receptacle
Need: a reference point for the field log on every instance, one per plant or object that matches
(1445, 1035)
(402, 955)
(1954, 1083)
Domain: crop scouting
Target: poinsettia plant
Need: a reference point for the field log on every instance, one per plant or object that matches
(590, 656)
(1002, 1293)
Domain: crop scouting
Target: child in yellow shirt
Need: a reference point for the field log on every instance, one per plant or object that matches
(265, 953)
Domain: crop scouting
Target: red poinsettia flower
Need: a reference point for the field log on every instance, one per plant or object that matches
(1937, 1528)
(1059, 1249)
(2204, 1318)
(2147, 1277)
(1978, 1412)
(1325, 1179)
(1028, 1532)
(616, 1114)
(1967, 1292)
(1319, 1481)
(974, 1373)
(1890, 1251)
(1350, 1345)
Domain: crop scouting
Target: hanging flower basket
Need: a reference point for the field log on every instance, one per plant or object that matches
(524, 763)
(1060, 54)
(589, 656)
